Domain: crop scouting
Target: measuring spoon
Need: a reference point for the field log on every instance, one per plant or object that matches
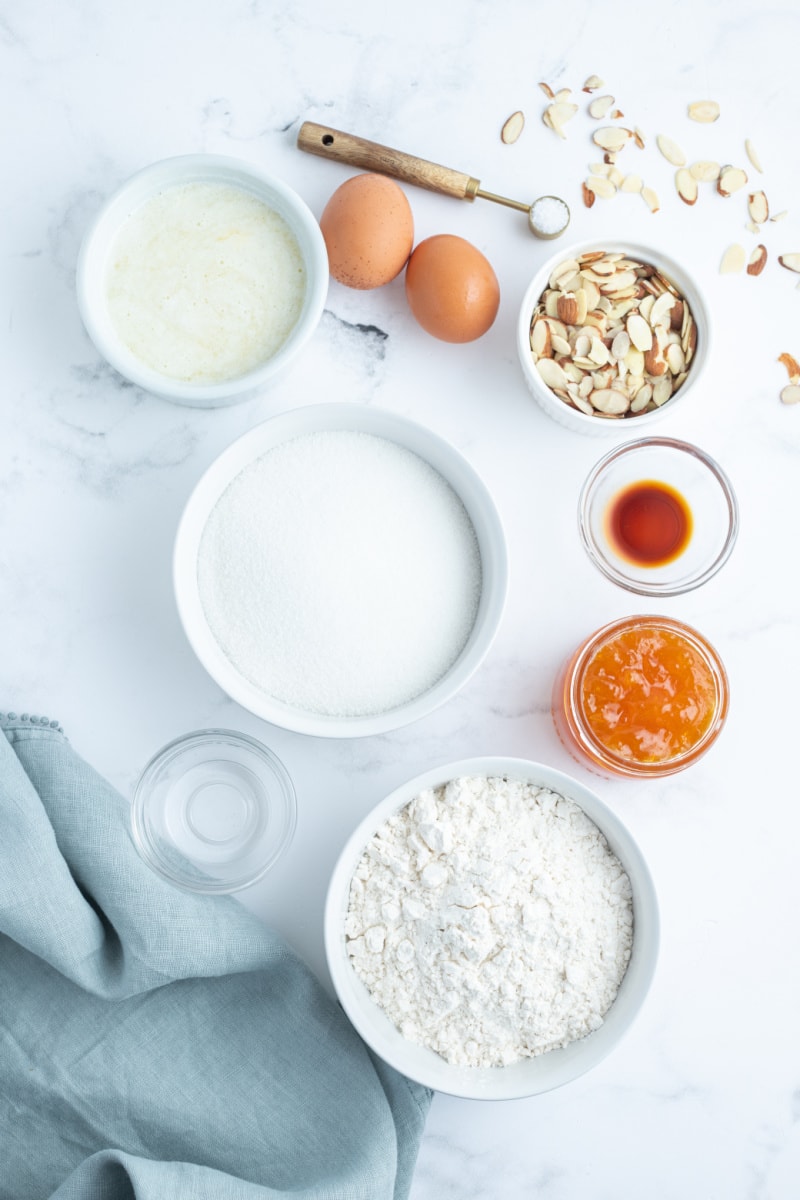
(548, 216)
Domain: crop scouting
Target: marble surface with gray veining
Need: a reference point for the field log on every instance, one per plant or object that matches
(702, 1099)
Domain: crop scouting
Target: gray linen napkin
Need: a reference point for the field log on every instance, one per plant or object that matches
(158, 1045)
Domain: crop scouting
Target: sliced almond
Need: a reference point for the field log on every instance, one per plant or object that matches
(560, 112)
(661, 310)
(704, 111)
(621, 344)
(751, 227)
(609, 401)
(567, 308)
(548, 91)
(512, 128)
(639, 331)
(792, 366)
(615, 175)
(552, 374)
(638, 137)
(593, 83)
(671, 150)
(541, 343)
(758, 207)
(600, 186)
(686, 184)
(631, 183)
(651, 199)
(780, 216)
(789, 395)
(588, 195)
(750, 151)
(611, 137)
(757, 260)
(662, 390)
(600, 106)
(676, 360)
(790, 261)
(654, 362)
(617, 114)
(705, 170)
(562, 95)
(732, 260)
(600, 169)
(730, 180)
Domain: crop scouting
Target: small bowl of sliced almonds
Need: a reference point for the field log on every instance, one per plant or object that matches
(611, 333)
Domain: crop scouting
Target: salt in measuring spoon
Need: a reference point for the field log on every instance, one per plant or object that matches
(548, 216)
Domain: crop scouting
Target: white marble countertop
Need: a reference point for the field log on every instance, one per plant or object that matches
(702, 1099)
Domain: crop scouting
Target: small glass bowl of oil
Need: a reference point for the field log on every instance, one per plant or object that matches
(658, 516)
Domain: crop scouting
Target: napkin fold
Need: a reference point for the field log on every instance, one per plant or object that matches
(155, 1044)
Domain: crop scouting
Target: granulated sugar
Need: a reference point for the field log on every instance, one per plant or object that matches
(340, 574)
(490, 921)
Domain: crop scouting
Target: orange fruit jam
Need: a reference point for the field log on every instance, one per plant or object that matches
(648, 694)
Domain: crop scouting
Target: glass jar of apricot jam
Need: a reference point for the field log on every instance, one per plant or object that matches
(643, 696)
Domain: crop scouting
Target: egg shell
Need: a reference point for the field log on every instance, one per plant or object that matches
(452, 289)
(368, 229)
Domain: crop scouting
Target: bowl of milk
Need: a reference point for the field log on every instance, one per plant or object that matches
(201, 278)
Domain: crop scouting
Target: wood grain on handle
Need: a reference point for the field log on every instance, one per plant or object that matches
(370, 156)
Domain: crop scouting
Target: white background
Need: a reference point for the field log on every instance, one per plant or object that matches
(702, 1099)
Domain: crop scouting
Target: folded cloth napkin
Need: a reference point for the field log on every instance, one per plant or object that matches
(159, 1045)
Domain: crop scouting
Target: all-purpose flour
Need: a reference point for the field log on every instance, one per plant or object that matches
(490, 921)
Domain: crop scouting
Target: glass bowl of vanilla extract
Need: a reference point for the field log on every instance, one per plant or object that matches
(658, 516)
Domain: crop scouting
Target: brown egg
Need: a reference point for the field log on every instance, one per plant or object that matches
(451, 288)
(368, 230)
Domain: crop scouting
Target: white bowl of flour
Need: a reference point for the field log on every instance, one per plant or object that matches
(491, 929)
(201, 278)
(340, 570)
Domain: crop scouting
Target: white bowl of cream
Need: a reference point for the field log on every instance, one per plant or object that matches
(201, 278)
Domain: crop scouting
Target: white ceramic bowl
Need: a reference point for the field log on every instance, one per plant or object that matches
(93, 265)
(530, 1076)
(637, 424)
(434, 450)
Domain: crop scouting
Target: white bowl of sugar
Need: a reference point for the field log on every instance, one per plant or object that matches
(201, 278)
(340, 570)
(491, 929)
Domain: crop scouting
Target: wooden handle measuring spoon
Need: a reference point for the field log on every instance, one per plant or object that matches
(548, 216)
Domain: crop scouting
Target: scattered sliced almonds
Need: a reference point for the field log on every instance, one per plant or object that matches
(611, 137)
(686, 184)
(513, 128)
(704, 111)
(732, 260)
(651, 199)
(705, 171)
(557, 114)
(600, 106)
(790, 261)
(601, 186)
(792, 366)
(612, 336)
(757, 260)
(730, 180)
(758, 207)
(750, 151)
(671, 151)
